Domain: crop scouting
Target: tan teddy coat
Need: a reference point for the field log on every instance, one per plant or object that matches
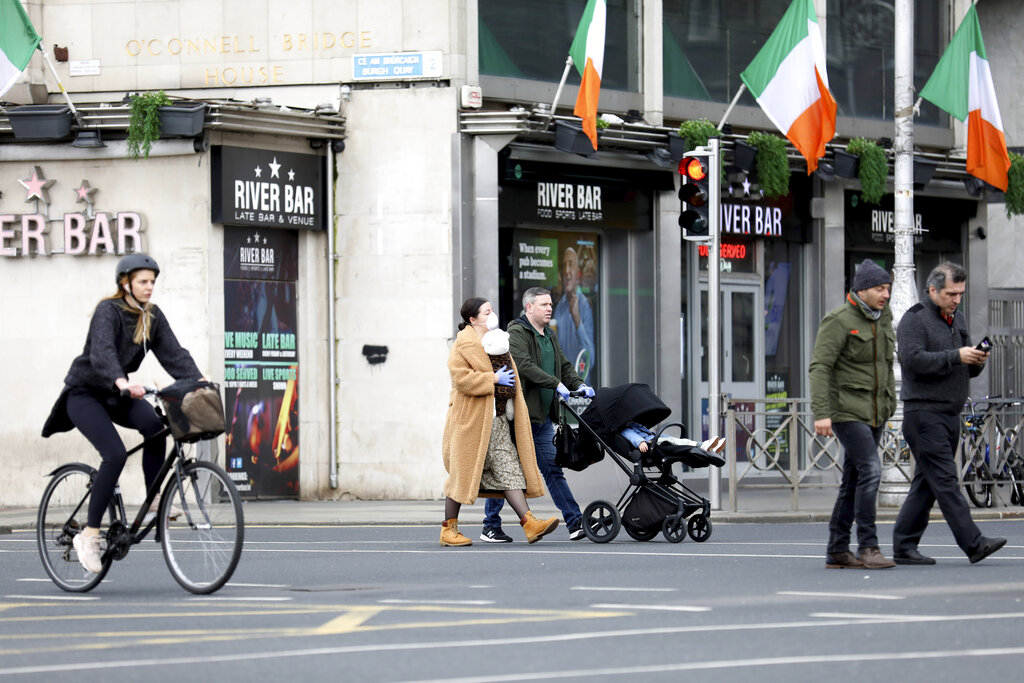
(467, 430)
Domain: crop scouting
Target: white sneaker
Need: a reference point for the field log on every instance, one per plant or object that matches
(88, 548)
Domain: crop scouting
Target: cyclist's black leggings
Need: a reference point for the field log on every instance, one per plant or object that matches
(95, 416)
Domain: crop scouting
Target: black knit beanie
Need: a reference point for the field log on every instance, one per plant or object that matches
(869, 275)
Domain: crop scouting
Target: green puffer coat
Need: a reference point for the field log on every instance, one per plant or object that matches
(851, 372)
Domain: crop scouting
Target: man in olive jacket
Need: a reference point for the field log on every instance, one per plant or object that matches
(853, 393)
(544, 371)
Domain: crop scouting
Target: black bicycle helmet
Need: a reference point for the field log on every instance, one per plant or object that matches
(132, 262)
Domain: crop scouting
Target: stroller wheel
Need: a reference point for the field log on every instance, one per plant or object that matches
(699, 527)
(601, 521)
(674, 528)
(642, 534)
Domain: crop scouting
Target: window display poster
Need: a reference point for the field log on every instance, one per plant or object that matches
(567, 264)
(775, 287)
(261, 385)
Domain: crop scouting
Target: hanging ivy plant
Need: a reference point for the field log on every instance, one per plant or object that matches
(698, 131)
(873, 170)
(1015, 188)
(144, 124)
(601, 124)
(771, 163)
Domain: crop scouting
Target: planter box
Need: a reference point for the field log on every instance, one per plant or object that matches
(41, 121)
(571, 138)
(743, 155)
(846, 164)
(677, 147)
(923, 171)
(182, 120)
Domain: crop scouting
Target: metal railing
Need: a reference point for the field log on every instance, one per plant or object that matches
(771, 444)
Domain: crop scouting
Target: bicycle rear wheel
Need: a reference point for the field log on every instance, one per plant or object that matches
(202, 538)
(62, 514)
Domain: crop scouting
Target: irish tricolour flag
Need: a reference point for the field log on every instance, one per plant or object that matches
(962, 86)
(18, 40)
(789, 81)
(587, 52)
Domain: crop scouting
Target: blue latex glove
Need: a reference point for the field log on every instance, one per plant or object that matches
(505, 377)
(587, 391)
(562, 391)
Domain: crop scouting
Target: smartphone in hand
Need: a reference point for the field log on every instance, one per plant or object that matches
(984, 345)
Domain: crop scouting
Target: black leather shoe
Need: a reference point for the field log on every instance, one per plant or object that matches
(912, 557)
(986, 547)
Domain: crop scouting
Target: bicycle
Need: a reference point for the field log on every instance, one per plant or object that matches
(199, 523)
(981, 473)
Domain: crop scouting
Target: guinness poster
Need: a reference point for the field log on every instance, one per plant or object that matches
(261, 365)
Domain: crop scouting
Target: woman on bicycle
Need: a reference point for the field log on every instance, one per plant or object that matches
(125, 326)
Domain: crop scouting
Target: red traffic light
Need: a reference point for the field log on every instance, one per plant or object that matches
(693, 168)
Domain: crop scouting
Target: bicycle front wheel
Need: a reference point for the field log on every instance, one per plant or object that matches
(976, 483)
(201, 527)
(62, 515)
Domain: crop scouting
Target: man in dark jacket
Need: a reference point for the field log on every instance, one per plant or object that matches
(544, 371)
(938, 361)
(853, 393)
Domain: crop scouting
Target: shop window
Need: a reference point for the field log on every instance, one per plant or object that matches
(530, 39)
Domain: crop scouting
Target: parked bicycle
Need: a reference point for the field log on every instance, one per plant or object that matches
(986, 467)
(199, 521)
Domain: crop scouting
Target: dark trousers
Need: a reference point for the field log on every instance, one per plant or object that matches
(932, 438)
(95, 416)
(858, 490)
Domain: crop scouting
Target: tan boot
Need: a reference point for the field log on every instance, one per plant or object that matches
(450, 535)
(535, 528)
(872, 558)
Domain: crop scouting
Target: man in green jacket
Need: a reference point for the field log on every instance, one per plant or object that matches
(544, 371)
(853, 393)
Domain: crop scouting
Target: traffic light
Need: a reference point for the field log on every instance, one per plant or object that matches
(695, 195)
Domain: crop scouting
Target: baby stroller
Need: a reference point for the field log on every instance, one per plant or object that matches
(655, 500)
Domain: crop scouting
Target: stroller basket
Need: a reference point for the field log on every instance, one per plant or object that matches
(194, 410)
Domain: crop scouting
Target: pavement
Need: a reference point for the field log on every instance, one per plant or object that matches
(757, 505)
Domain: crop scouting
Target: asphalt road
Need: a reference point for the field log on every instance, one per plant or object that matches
(386, 603)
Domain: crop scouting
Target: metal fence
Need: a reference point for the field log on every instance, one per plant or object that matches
(771, 444)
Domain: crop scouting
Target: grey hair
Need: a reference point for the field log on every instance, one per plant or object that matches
(947, 271)
(530, 295)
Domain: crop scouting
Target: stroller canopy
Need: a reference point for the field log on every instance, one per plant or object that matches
(612, 407)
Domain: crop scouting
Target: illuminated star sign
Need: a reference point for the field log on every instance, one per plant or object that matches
(84, 193)
(258, 171)
(746, 187)
(37, 186)
(274, 168)
(291, 174)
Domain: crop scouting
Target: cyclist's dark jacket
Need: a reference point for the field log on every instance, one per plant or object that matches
(110, 353)
(929, 349)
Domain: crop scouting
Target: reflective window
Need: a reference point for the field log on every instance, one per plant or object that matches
(530, 39)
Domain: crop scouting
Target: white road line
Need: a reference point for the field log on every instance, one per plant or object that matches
(238, 598)
(633, 589)
(662, 608)
(822, 594)
(397, 601)
(27, 578)
(258, 585)
(586, 636)
(733, 664)
(52, 597)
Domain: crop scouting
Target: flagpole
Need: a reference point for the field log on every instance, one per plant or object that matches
(732, 105)
(558, 92)
(46, 58)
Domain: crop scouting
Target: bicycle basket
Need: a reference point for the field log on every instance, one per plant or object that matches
(194, 410)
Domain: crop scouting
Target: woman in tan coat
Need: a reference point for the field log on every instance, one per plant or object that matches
(479, 454)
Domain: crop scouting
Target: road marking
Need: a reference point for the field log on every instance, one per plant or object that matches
(733, 664)
(52, 597)
(258, 585)
(238, 598)
(823, 594)
(398, 601)
(587, 636)
(348, 622)
(633, 589)
(34, 579)
(664, 608)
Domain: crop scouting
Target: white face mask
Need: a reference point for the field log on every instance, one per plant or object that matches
(492, 321)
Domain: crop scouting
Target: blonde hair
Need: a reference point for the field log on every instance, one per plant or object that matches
(144, 324)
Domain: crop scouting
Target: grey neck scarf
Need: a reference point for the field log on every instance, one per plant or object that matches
(864, 308)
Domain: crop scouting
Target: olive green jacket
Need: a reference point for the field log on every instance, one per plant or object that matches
(851, 372)
(525, 350)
